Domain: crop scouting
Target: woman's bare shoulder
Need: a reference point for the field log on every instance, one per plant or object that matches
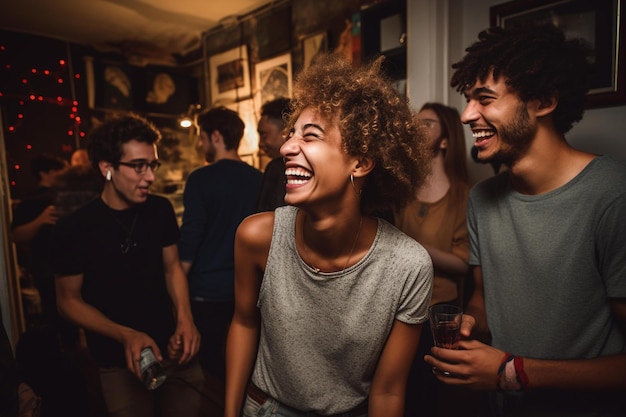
(256, 229)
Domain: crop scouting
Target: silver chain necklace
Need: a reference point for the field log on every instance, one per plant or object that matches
(306, 251)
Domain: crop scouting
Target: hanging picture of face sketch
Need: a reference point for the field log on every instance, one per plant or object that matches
(114, 89)
(313, 46)
(230, 76)
(168, 93)
(273, 79)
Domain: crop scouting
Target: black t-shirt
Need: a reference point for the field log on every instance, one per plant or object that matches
(25, 212)
(129, 288)
(273, 186)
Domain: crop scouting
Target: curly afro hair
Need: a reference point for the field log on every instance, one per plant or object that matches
(537, 63)
(374, 120)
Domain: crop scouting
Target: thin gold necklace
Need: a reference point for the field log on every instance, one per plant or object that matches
(306, 251)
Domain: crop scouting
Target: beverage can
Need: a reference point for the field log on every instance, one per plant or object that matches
(152, 372)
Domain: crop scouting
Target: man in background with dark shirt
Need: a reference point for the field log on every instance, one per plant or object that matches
(216, 199)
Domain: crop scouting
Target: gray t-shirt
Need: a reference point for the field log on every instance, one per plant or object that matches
(322, 334)
(550, 262)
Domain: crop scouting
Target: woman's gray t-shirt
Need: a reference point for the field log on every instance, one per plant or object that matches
(322, 333)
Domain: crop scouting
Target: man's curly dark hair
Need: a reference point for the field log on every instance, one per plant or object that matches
(106, 140)
(374, 120)
(537, 63)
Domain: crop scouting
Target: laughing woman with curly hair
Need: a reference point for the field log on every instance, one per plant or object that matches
(329, 299)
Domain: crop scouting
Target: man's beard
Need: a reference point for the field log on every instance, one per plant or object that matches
(210, 155)
(517, 135)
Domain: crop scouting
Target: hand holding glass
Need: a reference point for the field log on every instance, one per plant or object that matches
(445, 325)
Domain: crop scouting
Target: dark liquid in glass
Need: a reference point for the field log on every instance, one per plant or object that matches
(446, 334)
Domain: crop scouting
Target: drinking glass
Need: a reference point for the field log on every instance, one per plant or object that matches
(445, 325)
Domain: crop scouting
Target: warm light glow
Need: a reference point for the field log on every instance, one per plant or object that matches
(29, 147)
(186, 122)
(20, 116)
(17, 166)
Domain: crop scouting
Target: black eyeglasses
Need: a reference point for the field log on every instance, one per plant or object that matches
(141, 167)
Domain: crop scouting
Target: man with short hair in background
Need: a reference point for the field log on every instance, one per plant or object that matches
(216, 199)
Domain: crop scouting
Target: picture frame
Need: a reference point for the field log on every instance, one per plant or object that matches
(167, 93)
(273, 79)
(113, 87)
(598, 22)
(312, 46)
(249, 146)
(229, 74)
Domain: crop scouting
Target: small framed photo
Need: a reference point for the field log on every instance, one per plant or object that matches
(598, 22)
(114, 89)
(230, 76)
(313, 46)
(273, 78)
(167, 93)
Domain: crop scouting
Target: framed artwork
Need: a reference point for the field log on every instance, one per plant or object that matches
(249, 146)
(273, 78)
(230, 76)
(312, 46)
(167, 93)
(597, 22)
(273, 38)
(114, 89)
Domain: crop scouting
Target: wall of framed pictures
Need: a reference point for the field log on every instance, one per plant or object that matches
(256, 58)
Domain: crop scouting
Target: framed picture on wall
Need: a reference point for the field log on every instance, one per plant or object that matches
(313, 46)
(597, 22)
(168, 93)
(249, 145)
(113, 85)
(230, 76)
(273, 78)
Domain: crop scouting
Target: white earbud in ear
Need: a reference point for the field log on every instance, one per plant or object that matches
(108, 176)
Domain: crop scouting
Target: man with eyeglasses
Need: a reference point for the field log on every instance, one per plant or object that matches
(118, 276)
